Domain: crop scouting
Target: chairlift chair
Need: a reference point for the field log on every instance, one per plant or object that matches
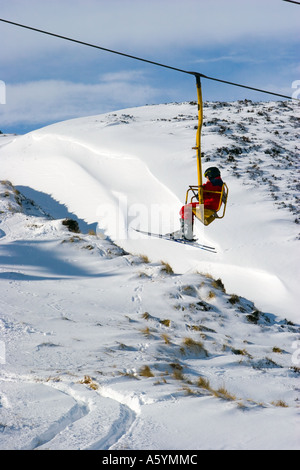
(195, 193)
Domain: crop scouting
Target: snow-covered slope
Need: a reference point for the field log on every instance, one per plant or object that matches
(103, 344)
(132, 169)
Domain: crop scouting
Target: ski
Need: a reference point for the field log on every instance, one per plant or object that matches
(173, 237)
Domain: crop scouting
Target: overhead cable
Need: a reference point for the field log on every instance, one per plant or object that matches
(196, 74)
(292, 1)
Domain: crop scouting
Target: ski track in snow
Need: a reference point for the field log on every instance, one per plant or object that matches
(97, 425)
(95, 420)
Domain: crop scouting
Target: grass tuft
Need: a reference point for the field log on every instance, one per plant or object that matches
(224, 394)
(145, 371)
(147, 332)
(196, 347)
(88, 381)
(280, 403)
(203, 383)
(234, 299)
(166, 268)
(166, 338)
(218, 284)
(165, 322)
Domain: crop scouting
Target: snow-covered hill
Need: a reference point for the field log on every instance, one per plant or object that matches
(131, 342)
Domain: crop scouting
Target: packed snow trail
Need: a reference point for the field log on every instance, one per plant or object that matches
(79, 419)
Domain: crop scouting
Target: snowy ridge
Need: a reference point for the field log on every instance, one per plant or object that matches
(127, 342)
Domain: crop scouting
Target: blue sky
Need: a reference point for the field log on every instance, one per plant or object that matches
(253, 42)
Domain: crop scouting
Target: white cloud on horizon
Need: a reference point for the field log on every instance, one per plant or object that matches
(55, 100)
(38, 103)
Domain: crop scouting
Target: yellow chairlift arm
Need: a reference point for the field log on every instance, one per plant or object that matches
(198, 138)
(206, 216)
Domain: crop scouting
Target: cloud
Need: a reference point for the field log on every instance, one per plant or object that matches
(156, 26)
(228, 58)
(48, 101)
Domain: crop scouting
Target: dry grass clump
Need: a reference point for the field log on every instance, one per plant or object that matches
(203, 383)
(72, 225)
(211, 295)
(88, 381)
(177, 369)
(218, 284)
(165, 322)
(188, 390)
(176, 366)
(233, 299)
(241, 352)
(195, 347)
(166, 338)
(223, 393)
(166, 268)
(144, 259)
(277, 350)
(130, 375)
(146, 315)
(254, 317)
(145, 371)
(280, 403)
(178, 375)
(147, 332)
(189, 290)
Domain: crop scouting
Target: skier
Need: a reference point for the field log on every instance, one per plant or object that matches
(211, 198)
(214, 183)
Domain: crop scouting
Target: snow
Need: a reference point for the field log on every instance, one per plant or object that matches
(101, 347)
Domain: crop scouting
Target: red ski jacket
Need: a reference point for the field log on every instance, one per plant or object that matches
(211, 200)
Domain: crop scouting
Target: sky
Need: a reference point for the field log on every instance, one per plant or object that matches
(45, 79)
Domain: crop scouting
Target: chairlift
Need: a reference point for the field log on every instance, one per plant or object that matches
(195, 193)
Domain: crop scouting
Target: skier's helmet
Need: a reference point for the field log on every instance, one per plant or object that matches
(212, 172)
